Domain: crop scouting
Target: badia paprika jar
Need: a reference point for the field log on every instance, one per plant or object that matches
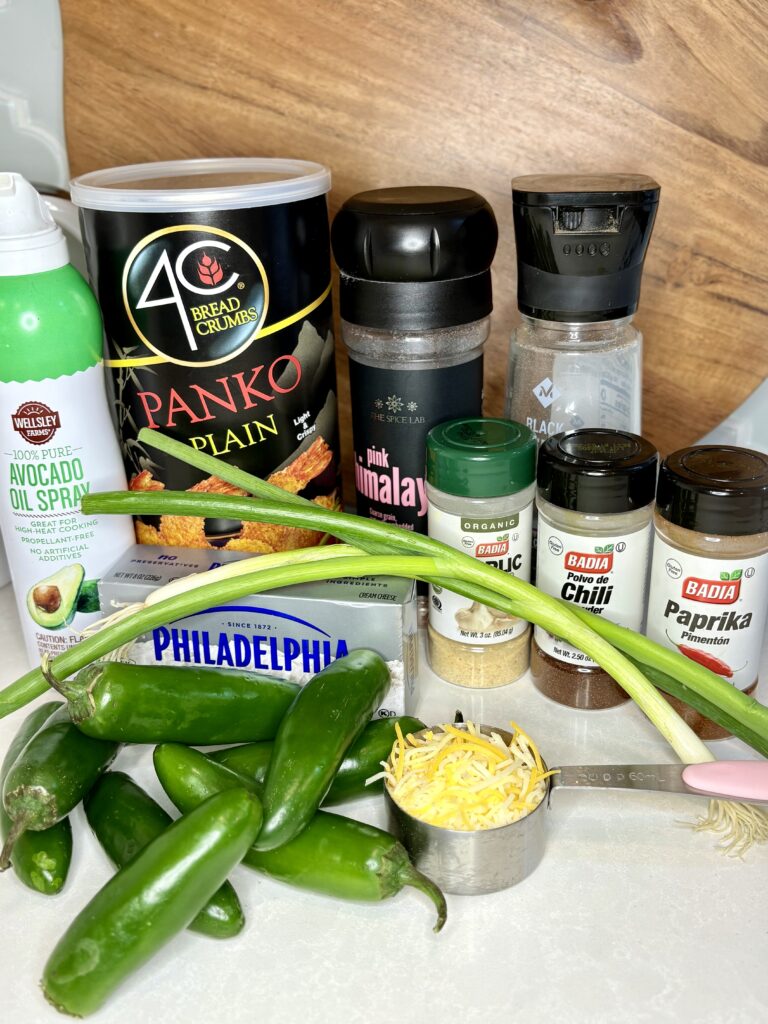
(709, 574)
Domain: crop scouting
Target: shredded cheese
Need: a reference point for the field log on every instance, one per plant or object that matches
(464, 779)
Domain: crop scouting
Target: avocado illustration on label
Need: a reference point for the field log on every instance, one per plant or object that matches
(53, 601)
(88, 598)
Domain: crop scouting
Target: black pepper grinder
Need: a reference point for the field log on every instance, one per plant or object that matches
(415, 301)
(575, 360)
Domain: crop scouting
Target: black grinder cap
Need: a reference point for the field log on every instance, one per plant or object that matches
(597, 471)
(716, 489)
(581, 243)
(415, 258)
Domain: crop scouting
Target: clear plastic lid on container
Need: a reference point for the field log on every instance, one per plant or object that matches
(228, 183)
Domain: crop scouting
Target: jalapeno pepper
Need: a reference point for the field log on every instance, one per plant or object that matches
(125, 819)
(51, 776)
(362, 760)
(40, 859)
(324, 720)
(333, 855)
(149, 901)
(151, 704)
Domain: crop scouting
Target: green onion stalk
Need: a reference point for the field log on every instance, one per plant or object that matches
(669, 670)
(198, 592)
(373, 548)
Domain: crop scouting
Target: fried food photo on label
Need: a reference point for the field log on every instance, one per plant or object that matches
(189, 531)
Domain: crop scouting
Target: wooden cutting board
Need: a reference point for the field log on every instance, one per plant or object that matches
(471, 94)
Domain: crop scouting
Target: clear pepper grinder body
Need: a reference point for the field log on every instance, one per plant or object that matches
(576, 357)
(565, 376)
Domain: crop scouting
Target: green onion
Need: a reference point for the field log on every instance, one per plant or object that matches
(478, 581)
(454, 569)
(745, 824)
(741, 824)
(376, 549)
(691, 682)
(669, 670)
(124, 628)
(228, 582)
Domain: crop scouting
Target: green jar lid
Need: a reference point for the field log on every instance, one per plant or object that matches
(478, 458)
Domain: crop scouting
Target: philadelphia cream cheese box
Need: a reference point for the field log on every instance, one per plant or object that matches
(293, 632)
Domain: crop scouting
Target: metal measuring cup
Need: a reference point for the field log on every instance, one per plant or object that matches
(496, 858)
(472, 863)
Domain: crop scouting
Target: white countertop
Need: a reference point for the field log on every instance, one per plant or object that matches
(631, 917)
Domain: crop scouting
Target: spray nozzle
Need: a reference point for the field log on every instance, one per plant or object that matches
(30, 240)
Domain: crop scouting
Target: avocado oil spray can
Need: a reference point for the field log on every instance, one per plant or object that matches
(57, 441)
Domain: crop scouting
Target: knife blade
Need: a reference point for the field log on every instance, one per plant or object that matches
(743, 781)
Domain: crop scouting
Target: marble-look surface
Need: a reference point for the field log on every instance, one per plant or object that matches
(631, 917)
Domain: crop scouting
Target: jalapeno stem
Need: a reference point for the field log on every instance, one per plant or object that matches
(409, 875)
(17, 829)
(67, 690)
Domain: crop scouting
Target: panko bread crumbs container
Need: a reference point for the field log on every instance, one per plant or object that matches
(214, 280)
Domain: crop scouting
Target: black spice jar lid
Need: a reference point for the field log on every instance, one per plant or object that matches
(716, 489)
(597, 471)
(581, 243)
(415, 258)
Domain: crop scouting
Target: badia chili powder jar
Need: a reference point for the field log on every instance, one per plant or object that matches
(709, 576)
(594, 497)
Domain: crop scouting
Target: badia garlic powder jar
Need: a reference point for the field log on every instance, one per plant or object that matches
(480, 489)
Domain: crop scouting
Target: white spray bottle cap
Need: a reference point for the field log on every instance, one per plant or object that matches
(30, 240)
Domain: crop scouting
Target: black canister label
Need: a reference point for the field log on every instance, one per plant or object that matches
(392, 413)
(218, 332)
